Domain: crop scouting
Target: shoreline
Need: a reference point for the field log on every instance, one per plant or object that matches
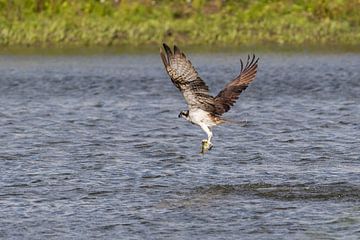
(195, 49)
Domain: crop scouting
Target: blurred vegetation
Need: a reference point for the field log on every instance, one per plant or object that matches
(190, 22)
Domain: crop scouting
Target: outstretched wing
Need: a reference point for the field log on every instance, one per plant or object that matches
(186, 79)
(228, 96)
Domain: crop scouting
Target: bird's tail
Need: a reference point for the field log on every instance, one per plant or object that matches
(242, 123)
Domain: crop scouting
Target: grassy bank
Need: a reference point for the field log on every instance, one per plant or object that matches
(197, 22)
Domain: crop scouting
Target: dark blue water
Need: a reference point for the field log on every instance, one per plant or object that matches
(91, 148)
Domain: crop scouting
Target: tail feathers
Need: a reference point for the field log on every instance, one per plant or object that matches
(220, 120)
(242, 123)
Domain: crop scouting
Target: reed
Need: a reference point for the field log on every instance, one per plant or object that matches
(196, 22)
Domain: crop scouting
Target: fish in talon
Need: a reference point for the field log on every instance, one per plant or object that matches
(206, 146)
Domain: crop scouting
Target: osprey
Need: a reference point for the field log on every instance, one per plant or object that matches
(204, 109)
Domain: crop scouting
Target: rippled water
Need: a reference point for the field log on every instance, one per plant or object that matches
(91, 147)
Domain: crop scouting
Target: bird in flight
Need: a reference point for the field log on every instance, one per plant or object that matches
(204, 109)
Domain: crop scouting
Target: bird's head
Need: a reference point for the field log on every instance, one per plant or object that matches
(184, 114)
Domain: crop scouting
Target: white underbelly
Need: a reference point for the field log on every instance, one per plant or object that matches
(199, 116)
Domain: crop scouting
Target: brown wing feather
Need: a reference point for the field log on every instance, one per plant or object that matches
(228, 96)
(186, 79)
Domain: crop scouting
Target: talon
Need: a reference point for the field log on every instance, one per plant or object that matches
(206, 146)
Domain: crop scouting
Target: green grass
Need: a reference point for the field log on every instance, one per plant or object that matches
(196, 22)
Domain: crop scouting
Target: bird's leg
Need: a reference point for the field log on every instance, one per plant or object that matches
(210, 134)
(206, 143)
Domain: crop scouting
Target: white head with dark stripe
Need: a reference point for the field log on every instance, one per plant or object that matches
(184, 114)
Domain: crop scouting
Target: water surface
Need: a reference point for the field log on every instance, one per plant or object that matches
(91, 148)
